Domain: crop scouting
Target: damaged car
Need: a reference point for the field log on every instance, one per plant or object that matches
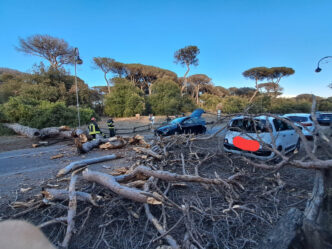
(189, 124)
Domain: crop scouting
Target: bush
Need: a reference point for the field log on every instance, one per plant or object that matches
(325, 104)
(210, 101)
(187, 104)
(4, 131)
(41, 114)
(125, 99)
(282, 106)
(234, 104)
(165, 98)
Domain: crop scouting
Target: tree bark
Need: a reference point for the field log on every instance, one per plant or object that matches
(111, 183)
(24, 130)
(317, 224)
(82, 163)
(285, 234)
(108, 84)
(71, 211)
(52, 194)
(185, 80)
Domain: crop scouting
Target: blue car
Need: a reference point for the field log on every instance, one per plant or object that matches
(191, 124)
(324, 118)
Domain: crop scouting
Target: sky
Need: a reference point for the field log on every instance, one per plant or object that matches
(232, 35)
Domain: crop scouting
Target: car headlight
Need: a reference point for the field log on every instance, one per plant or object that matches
(226, 140)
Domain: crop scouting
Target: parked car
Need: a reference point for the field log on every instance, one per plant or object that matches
(304, 121)
(324, 118)
(191, 124)
(256, 131)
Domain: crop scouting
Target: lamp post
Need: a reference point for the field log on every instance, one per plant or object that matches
(318, 69)
(77, 60)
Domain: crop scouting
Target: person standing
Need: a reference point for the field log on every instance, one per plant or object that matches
(151, 118)
(110, 125)
(93, 128)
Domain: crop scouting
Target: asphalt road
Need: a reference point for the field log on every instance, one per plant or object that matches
(32, 167)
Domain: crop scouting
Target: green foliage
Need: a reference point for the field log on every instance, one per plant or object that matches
(187, 55)
(233, 104)
(40, 114)
(55, 50)
(261, 104)
(210, 102)
(283, 105)
(165, 98)
(4, 131)
(187, 104)
(325, 104)
(124, 100)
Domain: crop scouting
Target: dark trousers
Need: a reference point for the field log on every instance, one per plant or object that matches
(112, 132)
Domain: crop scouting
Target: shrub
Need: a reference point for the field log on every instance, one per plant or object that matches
(4, 131)
(187, 104)
(41, 114)
(125, 99)
(325, 104)
(233, 104)
(282, 105)
(210, 101)
(165, 98)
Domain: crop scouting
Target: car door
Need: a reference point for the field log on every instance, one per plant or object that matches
(188, 126)
(285, 135)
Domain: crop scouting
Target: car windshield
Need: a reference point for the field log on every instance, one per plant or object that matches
(298, 118)
(177, 120)
(247, 125)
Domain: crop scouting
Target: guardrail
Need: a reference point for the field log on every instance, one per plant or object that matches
(141, 128)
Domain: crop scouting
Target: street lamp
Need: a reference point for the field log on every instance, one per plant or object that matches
(77, 60)
(318, 69)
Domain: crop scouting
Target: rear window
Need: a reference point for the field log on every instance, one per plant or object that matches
(298, 118)
(249, 125)
(326, 116)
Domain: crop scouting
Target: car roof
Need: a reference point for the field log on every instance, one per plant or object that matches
(297, 114)
(258, 117)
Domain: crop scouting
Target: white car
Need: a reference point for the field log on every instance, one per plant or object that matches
(255, 132)
(304, 121)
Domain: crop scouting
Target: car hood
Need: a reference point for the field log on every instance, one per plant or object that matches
(167, 127)
(265, 137)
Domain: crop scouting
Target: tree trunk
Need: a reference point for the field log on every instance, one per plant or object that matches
(110, 182)
(108, 84)
(82, 163)
(285, 234)
(185, 80)
(197, 95)
(317, 224)
(24, 130)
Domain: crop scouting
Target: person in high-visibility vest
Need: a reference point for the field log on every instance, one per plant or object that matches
(110, 125)
(94, 128)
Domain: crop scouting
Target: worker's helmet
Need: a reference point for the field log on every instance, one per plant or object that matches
(93, 119)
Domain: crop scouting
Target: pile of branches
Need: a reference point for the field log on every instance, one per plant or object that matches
(179, 193)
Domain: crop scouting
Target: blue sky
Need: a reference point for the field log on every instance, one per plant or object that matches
(233, 35)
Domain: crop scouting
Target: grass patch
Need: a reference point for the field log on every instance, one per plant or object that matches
(4, 131)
